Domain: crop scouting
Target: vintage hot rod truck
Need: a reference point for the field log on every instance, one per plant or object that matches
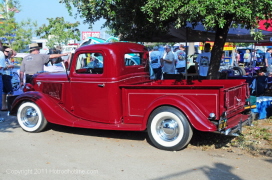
(104, 89)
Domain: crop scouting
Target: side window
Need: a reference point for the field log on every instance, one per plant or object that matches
(133, 59)
(90, 63)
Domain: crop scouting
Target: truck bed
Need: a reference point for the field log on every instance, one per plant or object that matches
(207, 96)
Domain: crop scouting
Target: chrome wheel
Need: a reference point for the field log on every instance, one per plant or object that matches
(169, 129)
(30, 117)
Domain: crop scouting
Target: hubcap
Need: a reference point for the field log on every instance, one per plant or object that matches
(168, 129)
(29, 117)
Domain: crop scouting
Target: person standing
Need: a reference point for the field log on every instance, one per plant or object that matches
(268, 61)
(55, 51)
(237, 58)
(34, 62)
(2, 65)
(168, 61)
(181, 59)
(254, 58)
(247, 58)
(7, 76)
(203, 62)
(154, 59)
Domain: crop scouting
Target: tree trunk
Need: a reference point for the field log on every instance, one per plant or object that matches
(217, 50)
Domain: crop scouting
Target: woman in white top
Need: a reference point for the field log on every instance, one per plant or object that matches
(247, 58)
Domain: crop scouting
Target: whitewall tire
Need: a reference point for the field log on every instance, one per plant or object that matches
(30, 117)
(169, 129)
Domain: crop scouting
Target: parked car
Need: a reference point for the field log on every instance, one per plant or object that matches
(68, 49)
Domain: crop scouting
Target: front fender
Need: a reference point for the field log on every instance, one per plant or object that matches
(195, 116)
(49, 107)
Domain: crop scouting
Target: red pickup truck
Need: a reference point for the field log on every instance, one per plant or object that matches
(107, 86)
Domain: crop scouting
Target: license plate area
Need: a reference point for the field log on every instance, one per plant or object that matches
(222, 124)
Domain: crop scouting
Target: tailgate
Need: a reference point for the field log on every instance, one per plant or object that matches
(235, 99)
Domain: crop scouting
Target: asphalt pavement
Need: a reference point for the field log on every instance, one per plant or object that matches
(66, 153)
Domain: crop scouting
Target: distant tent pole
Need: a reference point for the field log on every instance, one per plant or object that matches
(186, 55)
(254, 54)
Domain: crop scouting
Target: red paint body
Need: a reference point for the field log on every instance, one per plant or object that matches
(123, 97)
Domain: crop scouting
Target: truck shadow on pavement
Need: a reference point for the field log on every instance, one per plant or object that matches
(131, 135)
(209, 139)
(198, 139)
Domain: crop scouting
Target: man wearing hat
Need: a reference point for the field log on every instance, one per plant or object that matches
(34, 62)
(168, 61)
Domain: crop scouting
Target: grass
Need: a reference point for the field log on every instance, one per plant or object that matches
(256, 139)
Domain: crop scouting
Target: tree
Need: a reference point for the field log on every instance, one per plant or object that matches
(13, 34)
(58, 31)
(151, 17)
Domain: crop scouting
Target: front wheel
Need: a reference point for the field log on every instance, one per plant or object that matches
(169, 129)
(31, 118)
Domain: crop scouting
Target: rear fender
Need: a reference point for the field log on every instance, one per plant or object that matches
(197, 119)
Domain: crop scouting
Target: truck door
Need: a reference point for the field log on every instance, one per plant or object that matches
(89, 92)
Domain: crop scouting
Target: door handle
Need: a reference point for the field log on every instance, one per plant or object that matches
(101, 85)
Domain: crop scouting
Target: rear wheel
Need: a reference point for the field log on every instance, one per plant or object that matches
(169, 129)
(31, 118)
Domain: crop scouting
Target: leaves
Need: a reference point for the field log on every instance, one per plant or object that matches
(58, 31)
(13, 34)
(152, 18)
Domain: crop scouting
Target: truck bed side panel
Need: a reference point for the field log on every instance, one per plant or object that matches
(195, 104)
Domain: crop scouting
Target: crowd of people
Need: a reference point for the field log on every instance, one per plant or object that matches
(251, 59)
(30, 65)
(174, 62)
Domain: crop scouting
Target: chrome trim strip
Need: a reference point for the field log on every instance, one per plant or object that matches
(93, 81)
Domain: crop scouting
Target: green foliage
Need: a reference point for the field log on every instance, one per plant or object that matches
(15, 35)
(58, 31)
(147, 18)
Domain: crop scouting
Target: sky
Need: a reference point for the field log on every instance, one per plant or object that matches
(39, 10)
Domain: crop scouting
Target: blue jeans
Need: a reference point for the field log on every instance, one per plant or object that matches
(1, 90)
(158, 73)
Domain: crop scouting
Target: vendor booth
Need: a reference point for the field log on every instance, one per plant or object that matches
(263, 107)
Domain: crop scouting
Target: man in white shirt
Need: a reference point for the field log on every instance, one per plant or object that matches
(168, 61)
(203, 62)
